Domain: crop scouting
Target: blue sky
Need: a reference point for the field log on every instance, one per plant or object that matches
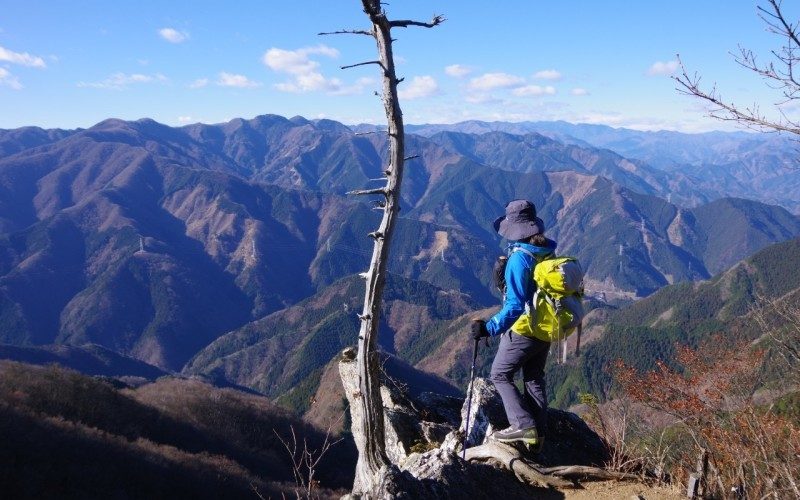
(72, 64)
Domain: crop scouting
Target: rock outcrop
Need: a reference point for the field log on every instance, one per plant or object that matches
(425, 435)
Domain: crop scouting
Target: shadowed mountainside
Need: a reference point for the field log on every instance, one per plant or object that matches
(88, 359)
(285, 353)
(66, 434)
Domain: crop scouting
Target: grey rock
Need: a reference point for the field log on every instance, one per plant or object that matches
(431, 422)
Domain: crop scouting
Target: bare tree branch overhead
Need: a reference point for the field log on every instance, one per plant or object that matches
(366, 405)
(779, 74)
(436, 21)
(379, 63)
(347, 32)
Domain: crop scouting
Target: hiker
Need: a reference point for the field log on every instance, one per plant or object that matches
(519, 349)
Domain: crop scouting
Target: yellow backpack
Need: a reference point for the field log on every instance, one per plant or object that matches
(556, 309)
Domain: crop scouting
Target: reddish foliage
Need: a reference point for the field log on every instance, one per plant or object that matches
(751, 449)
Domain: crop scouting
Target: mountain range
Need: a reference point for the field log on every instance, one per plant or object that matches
(754, 166)
(229, 251)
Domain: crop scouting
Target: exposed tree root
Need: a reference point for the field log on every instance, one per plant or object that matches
(511, 459)
(556, 477)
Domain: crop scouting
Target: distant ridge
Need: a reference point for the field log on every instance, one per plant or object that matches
(88, 359)
(723, 164)
(155, 242)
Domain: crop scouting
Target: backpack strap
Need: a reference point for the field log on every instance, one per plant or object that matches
(525, 251)
(530, 306)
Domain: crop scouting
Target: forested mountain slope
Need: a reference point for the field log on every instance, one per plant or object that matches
(154, 242)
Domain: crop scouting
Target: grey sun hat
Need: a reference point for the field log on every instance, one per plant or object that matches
(519, 222)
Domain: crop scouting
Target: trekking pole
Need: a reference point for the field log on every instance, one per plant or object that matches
(469, 400)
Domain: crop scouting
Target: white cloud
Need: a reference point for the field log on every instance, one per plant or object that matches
(172, 35)
(234, 80)
(22, 58)
(119, 81)
(579, 91)
(311, 82)
(199, 83)
(457, 70)
(184, 119)
(601, 118)
(420, 86)
(481, 98)
(489, 81)
(296, 62)
(547, 74)
(9, 80)
(659, 68)
(356, 88)
(534, 90)
(304, 71)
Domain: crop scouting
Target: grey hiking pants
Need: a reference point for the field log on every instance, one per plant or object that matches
(530, 354)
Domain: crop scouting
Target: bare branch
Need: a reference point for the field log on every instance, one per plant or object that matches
(751, 117)
(436, 21)
(363, 192)
(363, 64)
(347, 32)
(779, 74)
(369, 133)
(788, 29)
(305, 461)
(411, 157)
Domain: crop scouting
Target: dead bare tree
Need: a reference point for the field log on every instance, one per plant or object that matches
(366, 406)
(779, 74)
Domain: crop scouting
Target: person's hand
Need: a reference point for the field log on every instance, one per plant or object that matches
(479, 329)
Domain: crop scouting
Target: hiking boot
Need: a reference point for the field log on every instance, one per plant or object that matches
(528, 436)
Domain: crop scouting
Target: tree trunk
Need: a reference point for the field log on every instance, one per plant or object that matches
(372, 452)
(366, 407)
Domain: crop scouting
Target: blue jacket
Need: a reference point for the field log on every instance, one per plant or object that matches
(519, 286)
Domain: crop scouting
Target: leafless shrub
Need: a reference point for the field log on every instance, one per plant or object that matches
(305, 460)
(617, 426)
